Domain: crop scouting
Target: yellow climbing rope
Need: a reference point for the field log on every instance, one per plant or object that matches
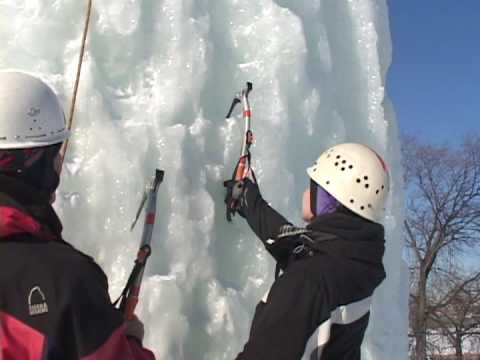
(79, 71)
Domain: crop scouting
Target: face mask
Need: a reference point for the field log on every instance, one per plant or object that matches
(321, 202)
(16, 161)
(33, 166)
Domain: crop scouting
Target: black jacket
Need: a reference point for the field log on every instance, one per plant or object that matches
(54, 301)
(319, 307)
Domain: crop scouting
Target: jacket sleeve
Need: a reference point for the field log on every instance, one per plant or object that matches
(265, 221)
(98, 327)
(284, 323)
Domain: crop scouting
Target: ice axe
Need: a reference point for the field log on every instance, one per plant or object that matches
(243, 167)
(128, 300)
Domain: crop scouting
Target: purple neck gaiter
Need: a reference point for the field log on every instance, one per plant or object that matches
(321, 201)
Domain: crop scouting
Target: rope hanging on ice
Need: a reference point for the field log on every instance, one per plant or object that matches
(79, 71)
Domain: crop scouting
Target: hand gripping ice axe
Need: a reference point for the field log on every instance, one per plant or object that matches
(129, 298)
(243, 168)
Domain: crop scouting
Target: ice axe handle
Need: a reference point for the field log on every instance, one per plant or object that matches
(241, 170)
(132, 302)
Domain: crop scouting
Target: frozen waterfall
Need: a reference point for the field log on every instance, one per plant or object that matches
(157, 81)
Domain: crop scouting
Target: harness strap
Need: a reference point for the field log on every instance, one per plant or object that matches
(305, 244)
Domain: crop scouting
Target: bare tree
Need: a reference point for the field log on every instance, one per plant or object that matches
(442, 218)
(454, 308)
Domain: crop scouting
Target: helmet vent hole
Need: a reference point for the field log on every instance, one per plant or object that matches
(336, 164)
(350, 166)
(352, 201)
(365, 177)
(328, 182)
(377, 191)
(358, 181)
(344, 161)
(367, 186)
(338, 156)
(343, 169)
(362, 207)
(383, 187)
(369, 206)
(31, 129)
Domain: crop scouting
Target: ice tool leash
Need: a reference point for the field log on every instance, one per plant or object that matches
(243, 168)
(129, 298)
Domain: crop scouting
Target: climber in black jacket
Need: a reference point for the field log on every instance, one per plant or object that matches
(318, 306)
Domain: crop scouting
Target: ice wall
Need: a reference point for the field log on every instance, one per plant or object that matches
(157, 81)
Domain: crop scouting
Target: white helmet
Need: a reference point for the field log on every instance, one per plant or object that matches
(30, 113)
(356, 176)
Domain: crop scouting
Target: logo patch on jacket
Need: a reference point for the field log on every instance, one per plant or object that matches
(37, 302)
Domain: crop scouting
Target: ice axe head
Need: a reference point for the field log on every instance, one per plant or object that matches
(235, 101)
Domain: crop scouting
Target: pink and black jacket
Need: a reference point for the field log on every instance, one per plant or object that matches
(54, 302)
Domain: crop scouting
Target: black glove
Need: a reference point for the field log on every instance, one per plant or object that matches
(240, 194)
(232, 197)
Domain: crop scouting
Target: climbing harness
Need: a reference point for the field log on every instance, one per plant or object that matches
(77, 79)
(129, 297)
(243, 168)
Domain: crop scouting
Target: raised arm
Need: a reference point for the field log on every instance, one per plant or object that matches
(265, 221)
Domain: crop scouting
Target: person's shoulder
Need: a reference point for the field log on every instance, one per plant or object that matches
(313, 269)
(77, 266)
(343, 280)
(326, 273)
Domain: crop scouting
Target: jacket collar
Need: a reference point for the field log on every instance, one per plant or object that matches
(24, 210)
(356, 238)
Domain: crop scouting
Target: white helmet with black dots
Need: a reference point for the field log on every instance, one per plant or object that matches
(356, 176)
(30, 113)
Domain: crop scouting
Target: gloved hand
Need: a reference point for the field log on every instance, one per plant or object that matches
(135, 329)
(232, 197)
(240, 194)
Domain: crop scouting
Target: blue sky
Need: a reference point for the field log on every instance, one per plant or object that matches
(434, 80)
